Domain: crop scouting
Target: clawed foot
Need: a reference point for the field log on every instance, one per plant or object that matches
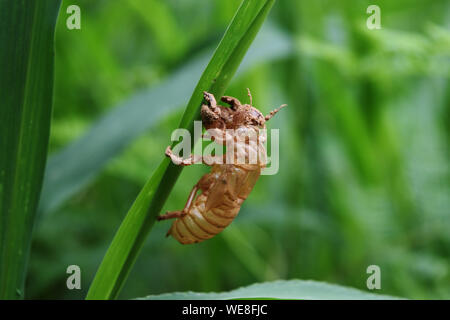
(211, 101)
(208, 97)
(176, 160)
(168, 151)
(233, 102)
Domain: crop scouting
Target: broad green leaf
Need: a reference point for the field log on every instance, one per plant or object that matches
(281, 289)
(130, 237)
(72, 168)
(26, 89)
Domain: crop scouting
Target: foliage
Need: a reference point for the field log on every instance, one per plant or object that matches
(26, 91)
(282, 289)
(364, 146)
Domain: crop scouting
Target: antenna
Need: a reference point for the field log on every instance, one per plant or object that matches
(273, 112)
(250, 95)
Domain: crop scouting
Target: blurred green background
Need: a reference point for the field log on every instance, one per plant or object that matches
(364, 158)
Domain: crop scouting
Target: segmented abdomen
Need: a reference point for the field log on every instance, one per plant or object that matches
(201, 223)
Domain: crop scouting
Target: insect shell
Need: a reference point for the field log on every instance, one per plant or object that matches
(226, 187)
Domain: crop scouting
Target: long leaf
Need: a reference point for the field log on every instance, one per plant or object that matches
(128, 240)
(26, 88)
(281, 289)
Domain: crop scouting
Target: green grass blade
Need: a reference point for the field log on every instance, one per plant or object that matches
(26, 88)
(128, 240)
(281, 289)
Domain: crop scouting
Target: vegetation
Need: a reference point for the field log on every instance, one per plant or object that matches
(26, 90)
(364, 170)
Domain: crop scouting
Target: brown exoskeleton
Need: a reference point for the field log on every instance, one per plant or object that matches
(226, 187)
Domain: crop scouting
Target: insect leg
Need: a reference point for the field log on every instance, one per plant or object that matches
(213, 115)
(273, 112)
(182, 213)
(211, 100)
(171, 215)
(188, 204)
(212, 105)
(233, 102)
(193, 159)
(180, 161)
(209, 115)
